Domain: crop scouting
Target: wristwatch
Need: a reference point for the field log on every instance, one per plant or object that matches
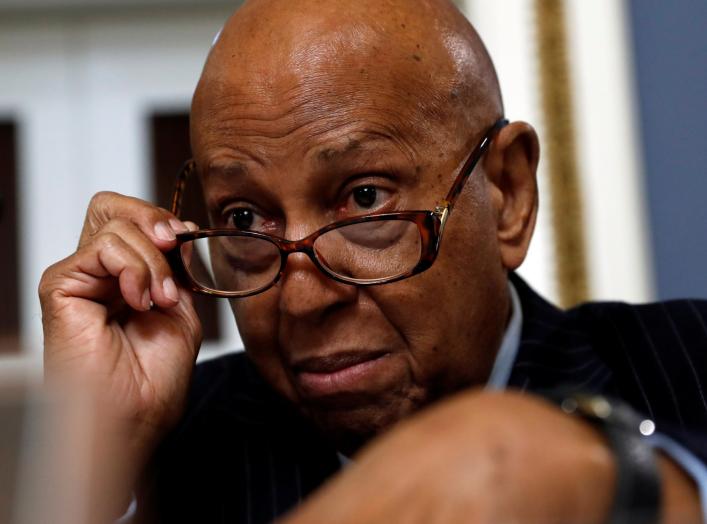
(638, 483)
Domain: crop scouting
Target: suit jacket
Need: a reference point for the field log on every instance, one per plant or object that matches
(241, 454)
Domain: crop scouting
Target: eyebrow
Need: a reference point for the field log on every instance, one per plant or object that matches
(334, 154)
(226, 170)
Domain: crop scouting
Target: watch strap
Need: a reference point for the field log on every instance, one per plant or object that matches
(637, 498)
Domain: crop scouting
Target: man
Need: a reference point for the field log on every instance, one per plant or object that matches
(312, 113)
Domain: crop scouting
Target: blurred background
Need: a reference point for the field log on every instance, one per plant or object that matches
(94, 95)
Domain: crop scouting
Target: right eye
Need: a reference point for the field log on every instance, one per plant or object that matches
(242, 218)
(245, 219)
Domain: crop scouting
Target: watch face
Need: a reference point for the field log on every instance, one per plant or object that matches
(607, 411)
(592, 406)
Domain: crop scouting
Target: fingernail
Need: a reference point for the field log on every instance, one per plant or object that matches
(192, 226)
(170, 289)
(164, 232)
(146, 302)
(178, 226)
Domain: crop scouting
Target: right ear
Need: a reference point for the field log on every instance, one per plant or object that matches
(511, 167)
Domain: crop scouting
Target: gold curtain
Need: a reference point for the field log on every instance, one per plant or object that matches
(560, 152)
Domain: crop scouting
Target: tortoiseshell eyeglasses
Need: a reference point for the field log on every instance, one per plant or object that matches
(363, 251)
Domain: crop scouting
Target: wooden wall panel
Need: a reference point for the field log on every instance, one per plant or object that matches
(170, 149)
(9, 270)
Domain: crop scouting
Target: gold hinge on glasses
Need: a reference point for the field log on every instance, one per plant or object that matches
(442, 211)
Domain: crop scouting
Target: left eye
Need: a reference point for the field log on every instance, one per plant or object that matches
(365, 196)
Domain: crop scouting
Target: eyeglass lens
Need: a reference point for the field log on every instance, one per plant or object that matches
(360, 252)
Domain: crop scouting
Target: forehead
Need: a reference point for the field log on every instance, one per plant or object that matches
(340, 79)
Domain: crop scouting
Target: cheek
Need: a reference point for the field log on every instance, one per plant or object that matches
(448, 314)
(257, 320)
(419, 312)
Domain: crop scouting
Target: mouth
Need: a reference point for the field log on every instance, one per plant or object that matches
(343, 372)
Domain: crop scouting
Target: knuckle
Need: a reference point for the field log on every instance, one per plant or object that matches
(107, 206)
(99, 212)
(109, 240)
(45, 283)
(49, 287)
(120, 223)
(101, 199)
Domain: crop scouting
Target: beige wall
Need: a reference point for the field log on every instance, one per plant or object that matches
(611, 176)
(81, 86)
(81, 82)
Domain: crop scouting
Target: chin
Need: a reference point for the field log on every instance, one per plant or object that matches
(350, 426)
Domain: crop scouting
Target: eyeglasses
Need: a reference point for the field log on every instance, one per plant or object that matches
(364, 251)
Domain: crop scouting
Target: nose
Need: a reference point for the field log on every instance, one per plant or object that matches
(308, 294)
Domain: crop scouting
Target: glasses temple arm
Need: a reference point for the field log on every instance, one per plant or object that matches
(179, 186)
(470, 164)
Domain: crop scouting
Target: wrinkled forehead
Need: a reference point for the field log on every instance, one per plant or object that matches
(329, 65)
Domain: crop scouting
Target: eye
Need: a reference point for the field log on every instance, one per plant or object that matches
(242, 218)
(365, 196)
(247, 219)
(372, 195)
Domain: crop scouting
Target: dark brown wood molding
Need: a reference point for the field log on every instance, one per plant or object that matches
(9, 253)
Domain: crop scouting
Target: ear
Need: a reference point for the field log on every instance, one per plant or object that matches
(511, 164)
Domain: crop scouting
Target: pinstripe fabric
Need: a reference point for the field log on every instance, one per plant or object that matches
(654, 356)
(241, 455)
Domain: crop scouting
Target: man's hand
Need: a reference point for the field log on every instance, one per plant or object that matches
(486, 458)
(115, 321)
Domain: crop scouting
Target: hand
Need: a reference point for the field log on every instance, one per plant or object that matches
(487, 458)
(478, 458)
(115, 319)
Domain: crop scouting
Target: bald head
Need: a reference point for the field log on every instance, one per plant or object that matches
(322, 52)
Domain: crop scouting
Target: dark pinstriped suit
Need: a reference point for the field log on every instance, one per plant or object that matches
(242, 455)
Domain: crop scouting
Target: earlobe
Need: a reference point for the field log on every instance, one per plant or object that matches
(511, 166)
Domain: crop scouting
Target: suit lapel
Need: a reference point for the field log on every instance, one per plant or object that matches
(556, 348)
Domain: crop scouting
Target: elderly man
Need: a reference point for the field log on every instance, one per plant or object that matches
(370, 205)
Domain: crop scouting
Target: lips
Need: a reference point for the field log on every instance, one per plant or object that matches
(342, 372)
(335, 362)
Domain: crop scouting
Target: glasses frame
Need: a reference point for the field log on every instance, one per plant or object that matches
(430, 225)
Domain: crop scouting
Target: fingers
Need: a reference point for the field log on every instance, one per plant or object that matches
(161, 287)
(121, 253)
(87, 274)
(157, 224)
(121, 260)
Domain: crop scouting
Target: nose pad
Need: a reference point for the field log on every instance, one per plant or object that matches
(305, 263)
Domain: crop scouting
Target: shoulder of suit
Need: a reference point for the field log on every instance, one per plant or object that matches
(660, 346)
(229, 388)
(213, 376)
(649, 344)
(672, 315)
